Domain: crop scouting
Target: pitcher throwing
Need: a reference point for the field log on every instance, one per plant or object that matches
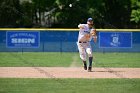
(86, 33)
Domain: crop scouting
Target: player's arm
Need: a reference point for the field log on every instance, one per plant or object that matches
(93, 33)
(81, 26)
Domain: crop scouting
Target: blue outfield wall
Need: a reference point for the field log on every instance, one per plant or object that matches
(65, 41)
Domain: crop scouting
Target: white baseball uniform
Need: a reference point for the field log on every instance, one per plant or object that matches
(84, 39)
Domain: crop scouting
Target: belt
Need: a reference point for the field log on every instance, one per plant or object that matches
(83, 42)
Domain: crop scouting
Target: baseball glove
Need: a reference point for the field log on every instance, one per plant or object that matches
(93, 32)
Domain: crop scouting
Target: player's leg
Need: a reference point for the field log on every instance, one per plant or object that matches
(90, 64)
(82, 53)
(89, 52)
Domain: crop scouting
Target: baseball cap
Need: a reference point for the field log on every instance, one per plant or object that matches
(90, 19)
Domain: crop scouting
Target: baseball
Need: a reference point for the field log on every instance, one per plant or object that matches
(70, 5)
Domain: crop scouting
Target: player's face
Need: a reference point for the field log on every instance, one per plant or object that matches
(90, 24)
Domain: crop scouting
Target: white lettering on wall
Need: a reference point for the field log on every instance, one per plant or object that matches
(23, 40)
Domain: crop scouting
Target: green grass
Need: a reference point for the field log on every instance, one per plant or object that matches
(35, 59)
(117, 59)
(69, 85)
(51, 59)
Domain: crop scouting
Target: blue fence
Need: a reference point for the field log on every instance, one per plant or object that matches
(65, 41)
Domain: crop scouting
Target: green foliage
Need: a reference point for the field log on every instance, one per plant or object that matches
(135, 14)
(9, 15)
(58, 13)
(27, 9)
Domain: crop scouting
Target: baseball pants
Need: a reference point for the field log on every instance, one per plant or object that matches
(84, 50)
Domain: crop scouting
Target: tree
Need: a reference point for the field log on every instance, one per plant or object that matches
(135, 14)
(70, 16)
(41, 9)
(26, 14)
(9, 16)
(69, 13)
(106, 13)
(118, 12)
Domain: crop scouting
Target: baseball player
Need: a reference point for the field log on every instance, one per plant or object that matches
(86, 33)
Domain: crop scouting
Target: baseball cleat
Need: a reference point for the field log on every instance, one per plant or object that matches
(85, 67)
(89, 69)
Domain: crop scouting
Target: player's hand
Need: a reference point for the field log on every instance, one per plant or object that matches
(81, 26)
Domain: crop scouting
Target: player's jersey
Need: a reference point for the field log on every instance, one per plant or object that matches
(84, 33)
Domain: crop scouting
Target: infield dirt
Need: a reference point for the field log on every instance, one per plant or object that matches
(67, 72)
